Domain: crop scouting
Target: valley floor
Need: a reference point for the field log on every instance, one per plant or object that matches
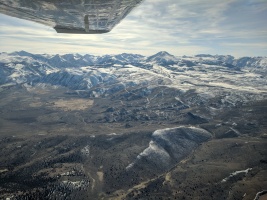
(58, 145)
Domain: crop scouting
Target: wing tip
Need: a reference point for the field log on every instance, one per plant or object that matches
(74, 30)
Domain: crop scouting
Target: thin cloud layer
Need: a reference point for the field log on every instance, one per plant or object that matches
(185, 27)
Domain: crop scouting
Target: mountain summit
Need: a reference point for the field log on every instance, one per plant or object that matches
(163, 58)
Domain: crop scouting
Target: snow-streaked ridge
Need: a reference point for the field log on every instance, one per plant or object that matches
(171, 144)
(245, 172)
(208, 75)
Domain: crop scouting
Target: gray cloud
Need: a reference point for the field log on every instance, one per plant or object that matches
(180, 27)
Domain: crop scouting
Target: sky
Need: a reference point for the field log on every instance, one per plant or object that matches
(184, 27)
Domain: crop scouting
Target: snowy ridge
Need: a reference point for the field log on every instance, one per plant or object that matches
(208, 75)
(236, 173)
(171, 144)
(259, 194)
(163, 58)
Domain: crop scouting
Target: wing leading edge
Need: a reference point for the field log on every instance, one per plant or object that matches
(71, 16)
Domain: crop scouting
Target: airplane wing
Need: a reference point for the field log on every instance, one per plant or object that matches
(71, 16)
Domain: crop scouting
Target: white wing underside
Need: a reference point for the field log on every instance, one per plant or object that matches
(71, 16)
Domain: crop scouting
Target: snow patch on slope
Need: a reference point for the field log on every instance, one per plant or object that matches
(236, 173)
(170, 145)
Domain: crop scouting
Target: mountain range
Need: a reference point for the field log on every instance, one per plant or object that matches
(88, 72)
(129, 126)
